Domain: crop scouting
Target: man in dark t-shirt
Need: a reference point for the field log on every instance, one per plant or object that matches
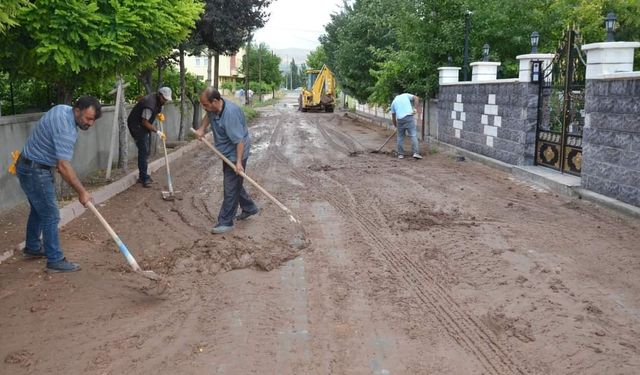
(140, 123)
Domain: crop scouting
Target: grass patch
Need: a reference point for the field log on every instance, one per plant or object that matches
(249, 113)
(265, 103)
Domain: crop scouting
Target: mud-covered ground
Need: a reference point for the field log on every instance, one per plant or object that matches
(398, 267)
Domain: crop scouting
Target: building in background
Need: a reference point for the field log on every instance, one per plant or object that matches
(229, 79)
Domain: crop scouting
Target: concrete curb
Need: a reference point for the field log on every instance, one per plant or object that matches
(75, 209)
(497, 164)
(382, 122)
(611, 203)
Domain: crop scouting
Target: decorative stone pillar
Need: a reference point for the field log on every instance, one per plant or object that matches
(449, 74)
(484, 71)
(525, 64)
(609, 57)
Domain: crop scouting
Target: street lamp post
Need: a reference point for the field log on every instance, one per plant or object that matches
(535, 37)
(485, 52)
(536, 65)
(467, 29)
(610, 25)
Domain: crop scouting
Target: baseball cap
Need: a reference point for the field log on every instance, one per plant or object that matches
(166, 93)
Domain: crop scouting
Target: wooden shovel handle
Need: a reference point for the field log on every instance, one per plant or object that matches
(251, 181)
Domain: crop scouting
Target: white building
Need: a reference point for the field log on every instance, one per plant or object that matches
(228, 71)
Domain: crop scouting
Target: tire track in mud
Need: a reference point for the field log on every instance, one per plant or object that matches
(463, 328)
(460, 326)
(334, 137)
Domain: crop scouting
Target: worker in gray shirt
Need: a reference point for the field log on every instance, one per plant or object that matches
(231, 138)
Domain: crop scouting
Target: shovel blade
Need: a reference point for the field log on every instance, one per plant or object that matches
(150, 275)
(169, 196)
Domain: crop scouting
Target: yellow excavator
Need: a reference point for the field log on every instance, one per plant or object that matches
(320, 93)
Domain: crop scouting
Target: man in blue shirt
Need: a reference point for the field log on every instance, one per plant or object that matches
(402, 118)
(49, 148)
(231, 138)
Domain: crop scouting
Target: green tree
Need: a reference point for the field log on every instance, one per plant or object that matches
(72, 42)
(317, 58)
(357, 40)
(427, 32)
(294, 74)
(380, 47)
(301, 77)
(227, 25)
(10, 11)
(263, 66)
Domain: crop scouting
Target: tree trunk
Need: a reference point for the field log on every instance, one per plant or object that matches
(145, 78)
(195, 102)
(182, 94)
(196, 115)
(216, 71)
(63, 94)
(159, 77)
(123, 135)
(246, 75)
(209, 56)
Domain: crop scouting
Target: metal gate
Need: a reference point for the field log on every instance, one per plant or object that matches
(561, 108)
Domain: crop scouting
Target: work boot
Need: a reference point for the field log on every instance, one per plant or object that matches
(400, 156)
(219, 229)
(62, 266)
(33, 254)
(417, 156)
(150, 180)
(245, 214)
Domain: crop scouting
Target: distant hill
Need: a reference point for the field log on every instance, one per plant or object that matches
(286, 54)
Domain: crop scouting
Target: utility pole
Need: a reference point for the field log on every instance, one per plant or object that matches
(467, 30)
(246, 74)
(291, 73)
(260, 71)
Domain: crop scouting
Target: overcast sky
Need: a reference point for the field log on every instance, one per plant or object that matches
(297, 23)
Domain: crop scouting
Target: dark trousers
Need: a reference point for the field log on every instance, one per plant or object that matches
(143, 154)
(234, 195)
(38, 186)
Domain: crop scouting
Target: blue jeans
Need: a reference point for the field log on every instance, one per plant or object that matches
(143, 153)
(234, 195)
(407, 125)
(38, 185)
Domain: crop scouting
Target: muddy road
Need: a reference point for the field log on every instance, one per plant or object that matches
(399, 267)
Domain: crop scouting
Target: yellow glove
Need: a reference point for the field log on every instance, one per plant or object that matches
(160, 116)
(14, 155)
(162, 135)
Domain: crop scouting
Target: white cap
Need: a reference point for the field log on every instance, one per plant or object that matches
(166, 93)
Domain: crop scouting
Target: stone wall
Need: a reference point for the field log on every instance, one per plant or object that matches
(611, 139)
(496, 119)
(91, 152)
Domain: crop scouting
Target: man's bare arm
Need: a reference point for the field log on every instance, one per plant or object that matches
(69, 175)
